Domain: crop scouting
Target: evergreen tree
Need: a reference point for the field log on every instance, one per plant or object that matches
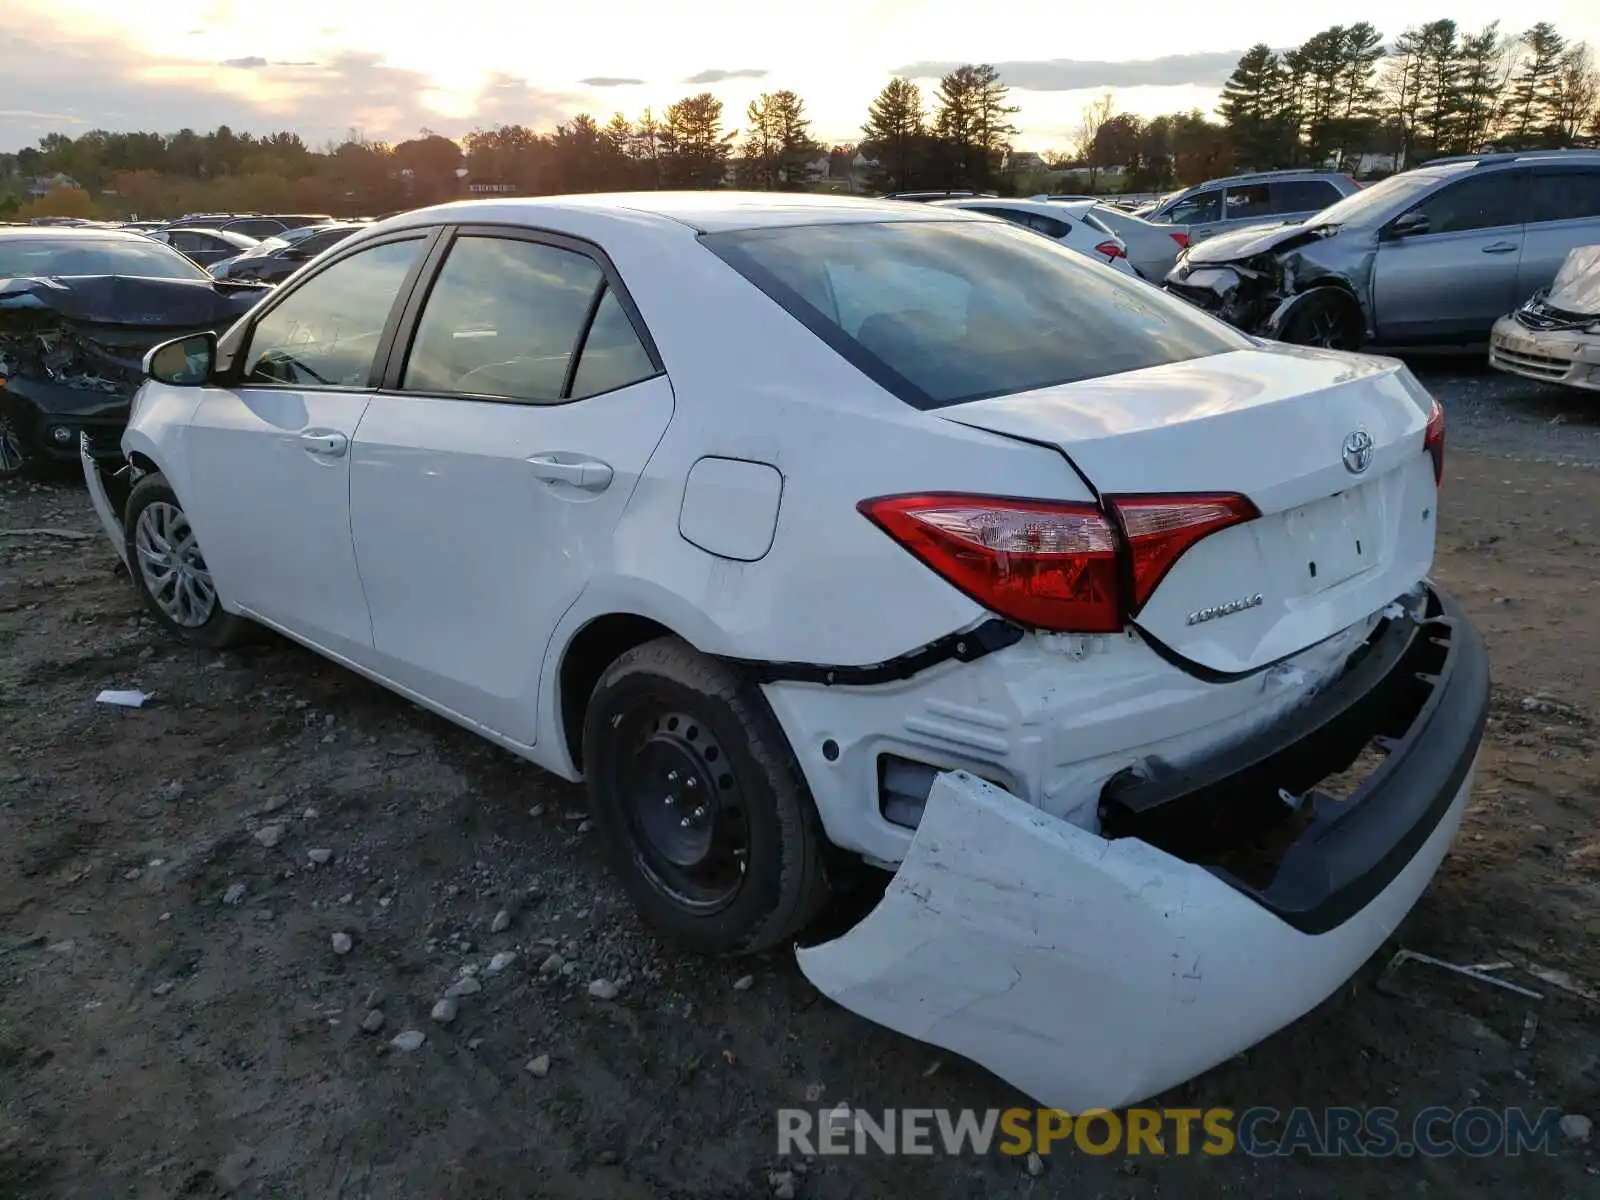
(896, 137)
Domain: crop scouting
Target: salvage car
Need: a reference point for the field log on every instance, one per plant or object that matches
(912, 539)
(78, 310)
(1071, 223)
(275, 258)
(204, 246)
(1432, 256)
(1555, 335)
(1240, 201)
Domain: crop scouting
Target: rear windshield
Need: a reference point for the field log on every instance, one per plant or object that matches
(939, 313)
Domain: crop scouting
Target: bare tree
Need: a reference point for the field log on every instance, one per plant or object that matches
(1087, 140)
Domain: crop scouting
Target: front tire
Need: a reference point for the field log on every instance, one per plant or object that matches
(17, 459)
(1327, 320)
(169, 572)
(706, 817)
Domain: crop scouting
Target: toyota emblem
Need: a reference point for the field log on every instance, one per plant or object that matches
(1357, 451)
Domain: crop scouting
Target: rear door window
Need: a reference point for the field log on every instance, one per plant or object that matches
(1564, 196)
(1252, 200)
(1478, 202)
(941, 312)
(1303, 195)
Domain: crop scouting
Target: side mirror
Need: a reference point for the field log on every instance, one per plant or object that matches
(183, 362)
(1410, 225)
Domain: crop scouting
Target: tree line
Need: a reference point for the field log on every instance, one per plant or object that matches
(1338, 99)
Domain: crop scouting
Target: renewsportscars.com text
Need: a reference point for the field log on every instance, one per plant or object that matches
(1258, 1132)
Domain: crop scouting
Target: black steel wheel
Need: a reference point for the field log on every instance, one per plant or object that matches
(706, 817)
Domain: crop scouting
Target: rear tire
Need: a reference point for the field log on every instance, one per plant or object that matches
(169, 572)
(705, 815)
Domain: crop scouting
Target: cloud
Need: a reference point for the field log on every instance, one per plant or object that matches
(246, 64)
(610, 81)
(717, 76)
(1073, 74)
(62, 81)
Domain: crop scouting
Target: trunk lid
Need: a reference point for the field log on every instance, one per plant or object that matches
(1332, 545)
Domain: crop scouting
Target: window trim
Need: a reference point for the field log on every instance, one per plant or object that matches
(235, 345)
(438, 256)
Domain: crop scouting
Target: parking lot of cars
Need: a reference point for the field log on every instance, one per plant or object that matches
(296, 880)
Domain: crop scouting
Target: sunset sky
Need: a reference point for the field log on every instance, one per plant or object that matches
(322, 67)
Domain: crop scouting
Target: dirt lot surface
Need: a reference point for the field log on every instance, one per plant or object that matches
(176, 1019)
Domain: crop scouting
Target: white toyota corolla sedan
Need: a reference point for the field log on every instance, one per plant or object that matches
(809, 531)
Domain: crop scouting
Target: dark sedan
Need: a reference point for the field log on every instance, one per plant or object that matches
(205, 246)
(78, 310)
(276, 258)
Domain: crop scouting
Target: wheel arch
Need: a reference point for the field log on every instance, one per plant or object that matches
(1325, 288)
(593, 648)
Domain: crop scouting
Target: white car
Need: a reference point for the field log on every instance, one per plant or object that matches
(1072, 223)
(810, 531)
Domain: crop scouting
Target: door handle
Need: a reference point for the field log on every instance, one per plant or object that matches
(325, 441)
(590, 474)
(1499, 247)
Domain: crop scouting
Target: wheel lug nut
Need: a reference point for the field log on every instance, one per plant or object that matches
(683, 824)
(699, 814)
(693, 783)
(672, 777)
(668, 801)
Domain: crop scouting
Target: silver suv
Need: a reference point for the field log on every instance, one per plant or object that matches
(1430, 256)
(1261, 198)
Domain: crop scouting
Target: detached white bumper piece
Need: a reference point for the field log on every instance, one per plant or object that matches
(1095, 971)
(101, 500)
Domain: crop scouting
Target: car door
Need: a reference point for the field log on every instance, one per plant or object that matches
(1453, 280)
(268, 452)
(1563, 212)
(489, 473)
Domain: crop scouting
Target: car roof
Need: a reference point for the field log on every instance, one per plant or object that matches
(1043, 207)
(703, 212)
(100, 233)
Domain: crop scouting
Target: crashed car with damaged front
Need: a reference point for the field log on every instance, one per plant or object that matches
(1432, 256)
(1555, 335)
(78, 310)
(1101, 632)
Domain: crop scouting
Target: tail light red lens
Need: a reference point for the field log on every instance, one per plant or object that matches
(1111, 250)
(1159, 529)
(1433, 442)
(1044, 564)
(1054, 565)
(1182, 239)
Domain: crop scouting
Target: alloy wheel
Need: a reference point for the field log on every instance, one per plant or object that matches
(174, 573)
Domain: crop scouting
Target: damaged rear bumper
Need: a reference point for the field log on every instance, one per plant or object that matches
(1095, 970)
(108, 492)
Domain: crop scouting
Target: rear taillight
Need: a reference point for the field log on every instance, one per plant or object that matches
(1160, 528)
(1111, 250)
(1433, 442)
(1054, 565)
(1182, 239)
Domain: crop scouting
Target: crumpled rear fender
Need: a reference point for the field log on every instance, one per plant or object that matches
(1088, 973)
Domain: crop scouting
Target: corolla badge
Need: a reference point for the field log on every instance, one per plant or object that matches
(1357, 451)
(1201, 616)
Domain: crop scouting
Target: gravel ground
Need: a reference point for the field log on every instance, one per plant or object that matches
(237, 926)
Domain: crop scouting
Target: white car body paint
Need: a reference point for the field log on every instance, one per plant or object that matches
(1087, 973)
(459, 547)
(1081, 236)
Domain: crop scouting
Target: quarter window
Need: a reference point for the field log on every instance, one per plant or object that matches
(326, 332)
(506, 319)
(612, 356)
(1196, 209)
